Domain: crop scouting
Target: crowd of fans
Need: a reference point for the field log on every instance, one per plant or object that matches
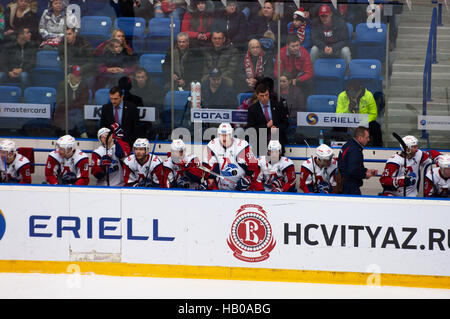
(229, 49)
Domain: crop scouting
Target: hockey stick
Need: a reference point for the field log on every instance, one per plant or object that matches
(106, 147)
(215, 174)
(151, 157)
(402, 143)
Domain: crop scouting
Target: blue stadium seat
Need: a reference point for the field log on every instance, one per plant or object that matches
(321, 103)
(101, 96)
(370, 43)
(48, 59)
(152, 62)
(368, 71)
(159, 39)
(47, 77)
(10, 94)
(180, 117)
(131, 26)
(40, 95)
(96, 29)
(329, 75)
(99, 7)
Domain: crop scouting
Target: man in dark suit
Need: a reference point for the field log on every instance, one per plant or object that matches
(122, 112)
(268, 114)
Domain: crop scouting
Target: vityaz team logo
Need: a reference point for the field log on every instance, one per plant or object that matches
(251, 237)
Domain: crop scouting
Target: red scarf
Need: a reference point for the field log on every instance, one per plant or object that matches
(300, 31)
(250, 70)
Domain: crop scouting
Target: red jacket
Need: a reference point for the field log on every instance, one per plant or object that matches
(204, 25)
(299, 65)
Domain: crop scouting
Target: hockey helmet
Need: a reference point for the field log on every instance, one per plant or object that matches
(65, 142)
(103, 130)
(410, 141)
(8, 146)
(225, 129)
(177, 149)
(324, 152)
(444, 161)
(142, 143)
(274, 147)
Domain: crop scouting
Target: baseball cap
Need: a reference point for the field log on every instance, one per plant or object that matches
(299, 14)
(76, 70)
(324, 10)
(215, 73)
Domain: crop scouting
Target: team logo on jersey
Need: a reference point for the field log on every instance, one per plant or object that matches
(312, 119)
(2, 224)
(251, 237)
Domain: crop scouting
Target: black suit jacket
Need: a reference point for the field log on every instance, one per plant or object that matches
(257, 120)
(130, 120)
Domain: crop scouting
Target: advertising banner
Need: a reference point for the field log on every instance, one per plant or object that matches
(324, 119)
(433, 122)
(25, 110)
(93, 112)
(219, 116)
(256, 230)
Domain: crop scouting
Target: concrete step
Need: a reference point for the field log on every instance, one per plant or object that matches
(420, 30)
(408, 66)
(440, 79)
(416, 91)
(422, 43)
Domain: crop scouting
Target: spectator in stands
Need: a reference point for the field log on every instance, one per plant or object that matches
(256, 65)
(77, 98)
(197, 23)
(115, 34)
(118, 112)
(314, 7)
(125, 8)
(125, 84)
(167, 8)
(216, 93)
(265, 20)
(144, 87)
(301, 26)
(269, 115)
(114, 64)
(232, 21)
(18, 58)
(357, 99)
(295, 60)
(293, 95)
(351, 162)
(188, 64)
(225, 58)
(51, 24)
(2, 24)
(79, 52)
(329, 36)
(20, 13)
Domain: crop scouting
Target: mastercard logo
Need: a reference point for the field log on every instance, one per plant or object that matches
(312, 119)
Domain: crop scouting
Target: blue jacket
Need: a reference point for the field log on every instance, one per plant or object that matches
(351, 163)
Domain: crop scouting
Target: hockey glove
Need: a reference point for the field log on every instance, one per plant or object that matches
(117, 130)
(243, 184)
(106, 161)
(69, 178)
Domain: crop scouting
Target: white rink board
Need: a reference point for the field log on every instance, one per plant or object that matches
(191, 228)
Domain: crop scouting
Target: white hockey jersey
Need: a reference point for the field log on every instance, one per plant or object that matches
(228, 161)
(11, 172)
(176, 171)
(283, 170)
(115, 170)
(311, 174)
(435, 184)
(135, 172)
(57, 166)
(395, 170)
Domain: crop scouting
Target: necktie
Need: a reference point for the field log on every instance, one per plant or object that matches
(116, 114)
(266, 113)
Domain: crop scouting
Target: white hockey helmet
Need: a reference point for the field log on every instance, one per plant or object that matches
(102, 131)
(409, 142)
(8, 146)
(65, 142)
(444, 161)
(142, 143)
(177, 145)
(225, 128)
(324, 152)
(274, 145)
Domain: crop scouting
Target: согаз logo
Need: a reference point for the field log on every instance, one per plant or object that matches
(251, 237)
(2, 224)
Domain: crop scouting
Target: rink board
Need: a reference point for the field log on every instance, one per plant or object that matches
(225, 235)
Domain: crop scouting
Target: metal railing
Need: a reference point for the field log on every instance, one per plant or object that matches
(430, 59)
